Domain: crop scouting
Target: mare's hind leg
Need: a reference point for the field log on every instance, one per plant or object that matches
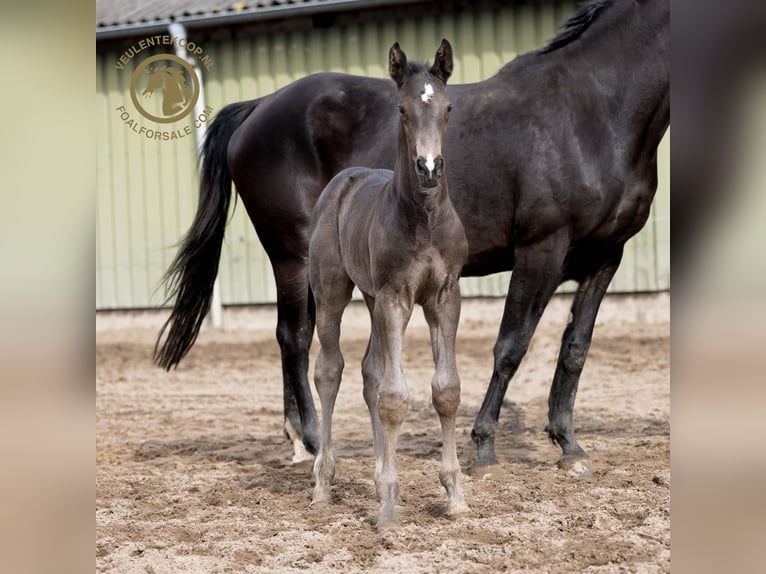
(332, 294)
(390, 319)
(572, 354)
(295, 329)
(293, 426)
(445, 389)
(536, 274)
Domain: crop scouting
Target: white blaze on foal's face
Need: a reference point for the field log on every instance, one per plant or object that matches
(428, 93)
(426, 97)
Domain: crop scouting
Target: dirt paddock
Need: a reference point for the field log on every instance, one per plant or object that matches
(194, 473)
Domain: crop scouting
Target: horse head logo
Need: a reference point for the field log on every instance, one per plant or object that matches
(171, 81)
(176, 95)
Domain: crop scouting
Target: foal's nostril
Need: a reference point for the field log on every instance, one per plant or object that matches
(436, 168)
(439, 166)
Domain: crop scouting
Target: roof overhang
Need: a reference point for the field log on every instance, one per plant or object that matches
(245, 16)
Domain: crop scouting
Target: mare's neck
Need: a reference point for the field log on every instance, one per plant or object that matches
(625, 52)
(628, 50)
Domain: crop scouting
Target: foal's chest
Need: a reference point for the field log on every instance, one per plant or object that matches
(428, 273)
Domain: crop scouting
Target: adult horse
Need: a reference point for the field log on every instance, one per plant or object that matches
(552, 168)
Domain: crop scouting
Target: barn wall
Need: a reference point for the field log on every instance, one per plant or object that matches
(147, 190)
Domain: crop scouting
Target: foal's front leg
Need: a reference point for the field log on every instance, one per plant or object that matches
(372, 374)
(445, 388)
(389, 321)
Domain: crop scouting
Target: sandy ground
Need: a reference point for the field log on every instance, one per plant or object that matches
(194, 473)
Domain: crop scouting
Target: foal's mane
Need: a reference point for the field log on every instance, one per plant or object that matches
(414, 68)
(577, 24)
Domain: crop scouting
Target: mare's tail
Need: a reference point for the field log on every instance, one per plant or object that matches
(192, 274)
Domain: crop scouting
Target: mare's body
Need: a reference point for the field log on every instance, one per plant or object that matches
(552, 168)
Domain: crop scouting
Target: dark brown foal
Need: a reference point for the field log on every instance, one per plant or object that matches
(396, 236)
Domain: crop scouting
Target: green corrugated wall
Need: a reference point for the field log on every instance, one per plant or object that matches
(147, 190)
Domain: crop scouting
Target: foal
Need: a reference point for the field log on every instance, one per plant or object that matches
(396, 236)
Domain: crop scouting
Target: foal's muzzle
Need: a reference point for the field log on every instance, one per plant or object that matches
(429, 175)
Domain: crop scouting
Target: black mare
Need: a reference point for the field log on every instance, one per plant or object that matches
(397, 237)
(552, 168)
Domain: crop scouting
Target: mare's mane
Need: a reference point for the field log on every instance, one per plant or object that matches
(575, 26)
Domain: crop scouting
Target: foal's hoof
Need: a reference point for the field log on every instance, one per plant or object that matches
(456, 508)
(321, 498)
(575, 467)
(387, 520)
(320, 503)
(488, 472)
(386, 525)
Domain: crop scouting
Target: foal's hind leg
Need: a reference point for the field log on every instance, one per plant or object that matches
(536, 274)
(445, 389)
(572, 354)
(332, 295)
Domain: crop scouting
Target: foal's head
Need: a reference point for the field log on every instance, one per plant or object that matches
(424, 106)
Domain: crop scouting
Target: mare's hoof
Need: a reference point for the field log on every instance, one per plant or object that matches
(484, 472)
(300, 454)
(574, 467)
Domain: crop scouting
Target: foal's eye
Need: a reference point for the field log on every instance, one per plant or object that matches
(449, 108)
(401, 110)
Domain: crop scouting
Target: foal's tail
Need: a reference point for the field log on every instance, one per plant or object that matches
(192, 274)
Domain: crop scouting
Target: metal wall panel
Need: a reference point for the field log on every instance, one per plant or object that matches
(148, 190)
(145, 200)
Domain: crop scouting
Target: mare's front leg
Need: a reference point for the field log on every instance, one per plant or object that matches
(390, 318)
(295, 329)
(536, 274)
(572, 354)
(443, 320)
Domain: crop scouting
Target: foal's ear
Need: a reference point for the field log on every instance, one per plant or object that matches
(397, 63)
(442, 67)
